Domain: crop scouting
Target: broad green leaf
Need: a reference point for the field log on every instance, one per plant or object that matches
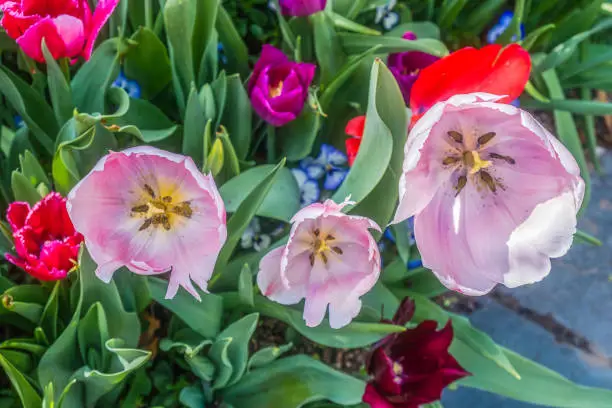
(237, 116)
(297, 137)
(230, 351)
(567, 132)
(564, 51)
(449, 12)
(358, 43)
(291, 383)
(245, 212)
(267, 355)
(203, 317)
(27, 394)
(202, 367)
(31, 106)
(203, 33)
(64, 167)
(354, 335)
(148, 63)
(328, 49)
(531, 39)
(235, 48)
(32, 170)
(49, 318)
(59, 89)
(481, 15)
(349, 25)
(422, 29)
(193, 131)
(144, 121)
(282, 201)
(192, 397)
(23, 190)
(92, 80)
(92, 334)
(245, 286)
(219, 91)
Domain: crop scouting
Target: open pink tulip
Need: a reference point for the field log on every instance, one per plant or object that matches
(153, 212)
(68, 26)
(493, 193)
(331, 259)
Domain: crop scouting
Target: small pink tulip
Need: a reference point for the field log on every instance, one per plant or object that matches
(494, 195)
(68, 26)
(153, 212)
(331, 259)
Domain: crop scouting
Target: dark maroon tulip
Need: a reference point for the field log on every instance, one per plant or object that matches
(411, 368)
(301, 8)
(278, 87)
(406, 66)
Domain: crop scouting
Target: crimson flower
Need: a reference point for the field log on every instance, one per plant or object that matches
(46, 242)
(411, 368)
(354, 128)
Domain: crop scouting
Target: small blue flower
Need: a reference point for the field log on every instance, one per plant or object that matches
(331, 163)
(221, 52)
(501, 25)
(389, 235)
(309, 189)
(253, 238)
(384, 14)
(414, 263)
(19, 123)
(130, 86)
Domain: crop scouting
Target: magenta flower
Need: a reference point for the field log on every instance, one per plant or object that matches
(301, 8)
(411, 368)
(405, 66)
(46, 243)
(68, 26)
(331, 259)
(494, 195)
(153, 212)
(279, 87)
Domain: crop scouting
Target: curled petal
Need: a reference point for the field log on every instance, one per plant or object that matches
(104, 10)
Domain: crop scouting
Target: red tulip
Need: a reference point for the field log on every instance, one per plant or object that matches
(354, 128)
(46, 242)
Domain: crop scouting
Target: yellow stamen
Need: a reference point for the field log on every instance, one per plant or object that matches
(397, 368)
(275, 91)
(473, 161)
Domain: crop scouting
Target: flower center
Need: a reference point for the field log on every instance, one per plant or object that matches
(321, 247)
(275, 90)
(469, 162)
(398, 370)
(160, 211)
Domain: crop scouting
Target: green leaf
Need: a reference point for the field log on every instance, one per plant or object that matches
(235, 48)
(48, 319)
(203, 367)
(534, 36)
(291, 383)
(145, 121)
(215, 159)
(219, 90)
(59, 89)
(23, 190)
(231, 166)
(245, 212)
(481, 16)
(267, 355)
(27, 394)
(92, 80)
(31, 106)
(349, 25)
(582, 107)
(237, 116)
(230, 351)
(358, 43)
(203, 317)
(192, 397)
(567, 132)
(245, 286)
(449, 12)
(563, 51)
(194, 125)
(514, 28)
(203, 36)
(422, 29)
(281, 202)
(92, 334)
(298, 136)
(148, 63)
(124, 362)
(354, 335)
(32, 170)
(328, 49)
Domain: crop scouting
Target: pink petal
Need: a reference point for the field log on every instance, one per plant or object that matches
(30, 41)
(72, 32)
(103, 11)
(16, 214)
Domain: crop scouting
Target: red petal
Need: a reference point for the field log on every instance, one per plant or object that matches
(492, 69)
(17, 214)
(352, 148)
(373, 398)
(355, 127)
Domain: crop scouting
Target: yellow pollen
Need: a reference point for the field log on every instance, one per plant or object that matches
(275, 91)
(472, 160)
(160, 210)
(321, 247)
(397, 368)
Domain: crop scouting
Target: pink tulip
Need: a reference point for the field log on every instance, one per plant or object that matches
(493, 193)
(153, 212)
(331, 259)
(68, 26)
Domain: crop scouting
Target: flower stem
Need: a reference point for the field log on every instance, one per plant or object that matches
(64, 64)
(271, 144)
(148, 11)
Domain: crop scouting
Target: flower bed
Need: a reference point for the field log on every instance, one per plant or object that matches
(256, 204)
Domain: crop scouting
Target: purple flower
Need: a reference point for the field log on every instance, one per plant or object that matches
(301, 8)
(406, 66)
(278, 87)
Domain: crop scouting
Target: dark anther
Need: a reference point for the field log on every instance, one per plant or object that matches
(456, 136)
(149, 190)
(167, 199)
(507, 159)
(140, 208)
(337, 250)
(486, 138)
(461, 182)
(488, 180)
(450, 160)
(316, 232)
(312, 258)
(145, 224)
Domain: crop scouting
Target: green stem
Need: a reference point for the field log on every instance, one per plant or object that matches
(148, 14)
(65, 67)
(271, 144)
